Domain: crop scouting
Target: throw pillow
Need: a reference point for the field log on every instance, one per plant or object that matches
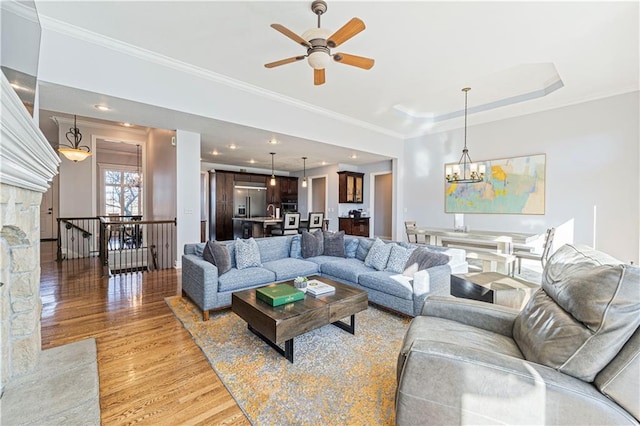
(351, 247)
(218, 254)
(364, 245)
(398, 258)
(311, 244)
(333, 243)
(296, 247)
(422, 258)
(378, 254)
(247, 253)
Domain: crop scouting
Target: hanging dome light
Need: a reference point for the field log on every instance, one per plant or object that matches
(74, 151)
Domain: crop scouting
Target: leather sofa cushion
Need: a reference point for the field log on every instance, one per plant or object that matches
(587, 309)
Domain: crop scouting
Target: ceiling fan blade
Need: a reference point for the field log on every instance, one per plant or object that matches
(293, 36)
(283, 61)
(348, 30)
(353, 60)
(318, 77)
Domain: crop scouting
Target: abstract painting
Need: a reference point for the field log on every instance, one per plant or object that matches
(510, 186)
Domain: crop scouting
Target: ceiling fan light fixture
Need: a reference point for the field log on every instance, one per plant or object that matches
(318, 60)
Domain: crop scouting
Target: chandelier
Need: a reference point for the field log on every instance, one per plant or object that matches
(137, 182)
(466, 171)
(74, 151)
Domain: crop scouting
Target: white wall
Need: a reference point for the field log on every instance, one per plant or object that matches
(188, 188)
(79, 181)
(592, 152)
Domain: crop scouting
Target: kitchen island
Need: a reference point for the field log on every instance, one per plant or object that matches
(245, 227)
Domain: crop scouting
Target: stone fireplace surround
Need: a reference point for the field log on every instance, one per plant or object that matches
(59, 385)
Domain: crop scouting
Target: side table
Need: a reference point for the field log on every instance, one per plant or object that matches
(493, 287)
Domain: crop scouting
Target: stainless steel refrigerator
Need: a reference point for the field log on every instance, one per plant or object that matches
(249, 199)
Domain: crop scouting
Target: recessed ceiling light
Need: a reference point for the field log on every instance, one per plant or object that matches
(273, 141)
(232, 146)
(324, 163)
(102, 107)
(127, 124)
(354, 156)
(252, 161)
(215, 152)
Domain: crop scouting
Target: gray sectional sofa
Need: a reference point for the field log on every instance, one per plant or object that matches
(281, 261)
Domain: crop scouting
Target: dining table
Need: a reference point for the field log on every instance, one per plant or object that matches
(493, 248)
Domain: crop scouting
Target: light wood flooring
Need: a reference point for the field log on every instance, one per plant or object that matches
(151, 371)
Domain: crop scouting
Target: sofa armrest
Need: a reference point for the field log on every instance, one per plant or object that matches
(200, 281)
(495, 318)
(446, 383)
(434, 280)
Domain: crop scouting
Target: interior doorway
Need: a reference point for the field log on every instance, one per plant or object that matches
(318, 195)
(49, 212)
(382, 194)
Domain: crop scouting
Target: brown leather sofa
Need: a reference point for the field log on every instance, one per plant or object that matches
(571, 356)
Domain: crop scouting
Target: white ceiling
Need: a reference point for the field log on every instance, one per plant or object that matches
(510, 53)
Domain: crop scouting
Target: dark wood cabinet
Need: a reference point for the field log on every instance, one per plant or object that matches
(353, 226)
(350, 187)
(273, 193)
(288, 188)
(221, 208)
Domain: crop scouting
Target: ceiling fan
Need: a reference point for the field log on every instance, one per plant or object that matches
(319, 41)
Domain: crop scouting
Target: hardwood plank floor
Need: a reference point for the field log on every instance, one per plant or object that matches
(150, 369)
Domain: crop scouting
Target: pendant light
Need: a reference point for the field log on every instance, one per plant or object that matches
(138, 180)
(304, 171)
(466, 171)
(74, 151)
(272, 182)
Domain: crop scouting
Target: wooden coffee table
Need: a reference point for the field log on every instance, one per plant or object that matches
(280, 324)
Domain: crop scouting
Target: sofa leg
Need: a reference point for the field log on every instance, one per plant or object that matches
(205, 315)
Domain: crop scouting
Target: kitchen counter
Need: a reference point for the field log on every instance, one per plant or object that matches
(258, 226)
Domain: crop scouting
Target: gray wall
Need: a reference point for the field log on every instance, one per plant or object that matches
(592, 177)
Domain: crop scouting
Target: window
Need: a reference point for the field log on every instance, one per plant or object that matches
(122, 191)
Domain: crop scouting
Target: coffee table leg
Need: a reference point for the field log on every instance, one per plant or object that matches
(287, 352)
(351, 328)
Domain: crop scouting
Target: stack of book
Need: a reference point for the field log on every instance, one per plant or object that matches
(318, 288)
(280, 294)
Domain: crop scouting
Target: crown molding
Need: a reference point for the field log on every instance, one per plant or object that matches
(157, 58)
(27, 160)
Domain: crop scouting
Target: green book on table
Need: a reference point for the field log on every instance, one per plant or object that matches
(279, 294)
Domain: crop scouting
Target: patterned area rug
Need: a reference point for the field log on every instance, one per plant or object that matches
(337, 378)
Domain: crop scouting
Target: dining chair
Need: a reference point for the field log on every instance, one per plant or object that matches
(316, 221)
(289, 225)
(547, 245)
(409, 226)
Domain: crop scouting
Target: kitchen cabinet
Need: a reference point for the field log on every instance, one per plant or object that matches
(221, 207)
(354, 226)
(350, 185)
(273, 193)
(288, 188)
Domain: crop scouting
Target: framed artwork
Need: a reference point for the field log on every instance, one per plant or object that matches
(511, 186)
